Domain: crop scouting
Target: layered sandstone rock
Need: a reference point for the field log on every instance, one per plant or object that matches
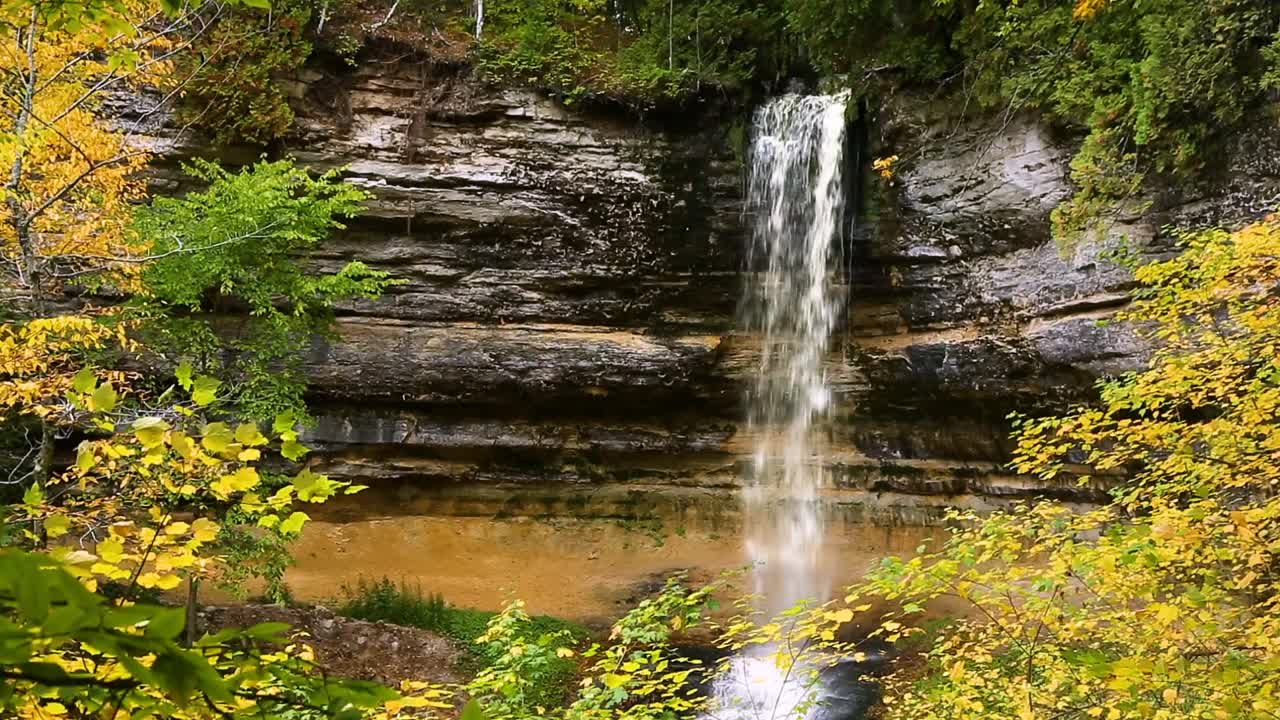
(564, 324)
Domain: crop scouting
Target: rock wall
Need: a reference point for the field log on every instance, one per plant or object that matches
(562, 341)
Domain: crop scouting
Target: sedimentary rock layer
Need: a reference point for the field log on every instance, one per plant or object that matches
(569, 279)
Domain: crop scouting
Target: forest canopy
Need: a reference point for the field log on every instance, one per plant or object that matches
(1149, 87)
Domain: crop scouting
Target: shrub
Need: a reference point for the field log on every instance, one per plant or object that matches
(384, 601)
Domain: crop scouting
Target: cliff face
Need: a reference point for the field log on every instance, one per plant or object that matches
(563, 340)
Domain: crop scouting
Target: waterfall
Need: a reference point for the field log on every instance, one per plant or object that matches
(795, 197)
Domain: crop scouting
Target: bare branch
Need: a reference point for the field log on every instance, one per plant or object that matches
(378, 25)
(181, 248)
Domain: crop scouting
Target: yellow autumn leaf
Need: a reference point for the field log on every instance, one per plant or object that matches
(1088, 9)
(158, 581)
(248, 434)
(204, 529)
(57, 525)
(111, 550)
(843, 615)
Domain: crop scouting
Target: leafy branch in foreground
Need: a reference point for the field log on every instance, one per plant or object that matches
(144, 506)
(66, 651)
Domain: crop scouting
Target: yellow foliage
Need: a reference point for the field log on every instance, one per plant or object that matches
(155, 464)
(70, 177)
(885, 166)
(1088, 9)
(1166, 603)
(40, 359)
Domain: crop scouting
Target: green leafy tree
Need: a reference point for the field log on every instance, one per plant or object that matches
(235, 249)
(634, 675)
(1151, 87)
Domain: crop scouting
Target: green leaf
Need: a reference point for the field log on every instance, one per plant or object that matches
(473, 711)
(247, 434)
(313, 487)
(64, 619)
(32, 593)
(183, 374)
(138, 670)
(293, 450)
(84, 381)
(284, 422)
(293, 524)
(47, 673)
(126, 617)
(175, 676)
(166, 623)
(33, 496)
(306, 480)
(272, 632)
(221, 637)
(55, 526)
(103, 399)
(216, 437)
(259, 4)
(205, 390)
(85, 459)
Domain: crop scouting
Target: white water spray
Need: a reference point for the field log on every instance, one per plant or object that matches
(796, 198)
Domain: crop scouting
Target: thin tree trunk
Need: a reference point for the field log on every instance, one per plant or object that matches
(30, 268)
(193, 591)
(697, 43)
(41, 471)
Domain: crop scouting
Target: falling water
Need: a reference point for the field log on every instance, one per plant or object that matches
(795, 197)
